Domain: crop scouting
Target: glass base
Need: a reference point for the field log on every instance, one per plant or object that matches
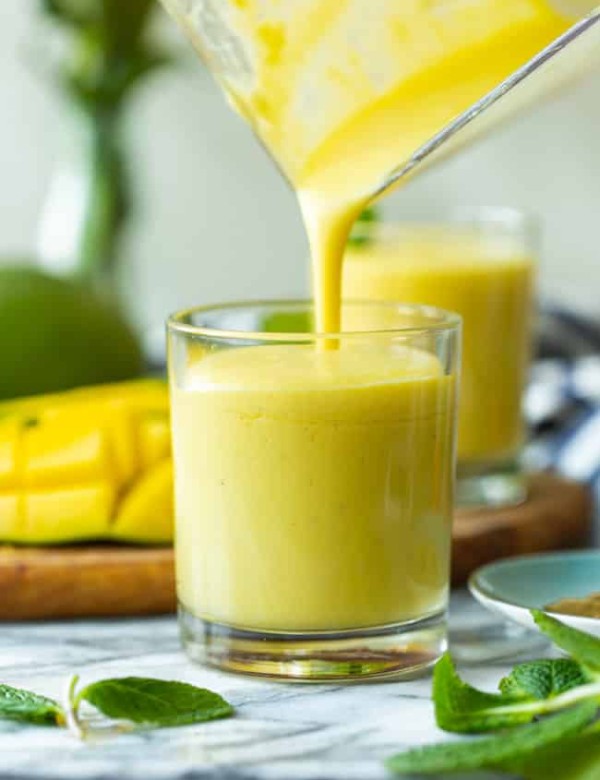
(496, 486)
(389, 652)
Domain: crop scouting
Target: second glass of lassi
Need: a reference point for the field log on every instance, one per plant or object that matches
(314, 487)
(482, 265)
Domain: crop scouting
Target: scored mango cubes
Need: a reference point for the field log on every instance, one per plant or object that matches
(89, 464)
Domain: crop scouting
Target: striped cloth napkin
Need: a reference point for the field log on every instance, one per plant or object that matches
(562, 401)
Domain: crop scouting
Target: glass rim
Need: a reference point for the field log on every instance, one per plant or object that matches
(512, 219)
(442, 321)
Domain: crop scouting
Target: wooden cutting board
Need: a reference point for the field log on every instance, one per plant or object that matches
(95, 581)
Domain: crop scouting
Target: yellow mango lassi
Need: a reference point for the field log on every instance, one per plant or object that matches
(488, 280)
(314, 488)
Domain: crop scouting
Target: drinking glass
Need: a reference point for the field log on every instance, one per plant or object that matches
(314, 487)
(481, 265)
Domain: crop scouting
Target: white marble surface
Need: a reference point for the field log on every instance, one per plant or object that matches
(280, 732)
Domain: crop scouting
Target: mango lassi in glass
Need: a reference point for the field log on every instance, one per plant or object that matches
(483, 269)
(313, 489)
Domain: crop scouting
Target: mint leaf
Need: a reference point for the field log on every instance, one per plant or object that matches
(461, 708)
(584, 648)
(28, 707)
(543, 679)
(362, 232)
(499, 751)
(110, 48)
(287, 322)
(155, 702)
(575, 758)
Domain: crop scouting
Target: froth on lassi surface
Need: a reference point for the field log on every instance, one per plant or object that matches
(488, 280)
(313, 488)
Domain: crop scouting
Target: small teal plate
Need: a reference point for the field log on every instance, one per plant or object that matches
(514, 586)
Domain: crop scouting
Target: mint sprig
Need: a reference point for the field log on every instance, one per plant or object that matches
(497, 752)
(139, 700)
(569, 740)
(530, 691)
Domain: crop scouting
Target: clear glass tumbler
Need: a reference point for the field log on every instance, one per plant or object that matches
(314, 487)
(482, 266)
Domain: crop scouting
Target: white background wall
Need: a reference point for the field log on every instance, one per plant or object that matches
(216, 222)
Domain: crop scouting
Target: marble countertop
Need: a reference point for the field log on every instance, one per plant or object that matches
(281, 732)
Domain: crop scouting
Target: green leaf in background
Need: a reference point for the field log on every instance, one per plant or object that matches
(117, 24)
(27, 707)
(287, 322)
(461, 708)
(111, 48)
(543, 679)
(362, 233)
(152, 702)
(498, 752)
(584, 648)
